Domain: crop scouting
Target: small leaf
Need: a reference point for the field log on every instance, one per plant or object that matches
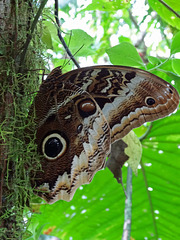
(125, 54)
(133, 151)
(126, 149)
(36, 230)
(52, 29)
(124, 39)
(154, 61)
(46, 38)
(175, 47)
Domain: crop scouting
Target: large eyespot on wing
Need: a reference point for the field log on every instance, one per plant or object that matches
(53, 146)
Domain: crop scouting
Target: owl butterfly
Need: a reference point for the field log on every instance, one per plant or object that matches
(81, 113)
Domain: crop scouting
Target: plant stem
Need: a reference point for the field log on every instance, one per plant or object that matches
(61, 38)
(128, 207)
(146, 133)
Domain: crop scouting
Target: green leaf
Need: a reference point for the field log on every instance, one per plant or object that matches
(46, 38)
(104, 5)
(175, 46)
(173, 4)
(94, 204)
(125, 54)
(176, 65)
(141, 130)
(174, 78)
(52, 29)
(124, 39)
(79, 42)
(160, 170)
(154, 61)
(35, 229)
(165, 12)
(165, 71)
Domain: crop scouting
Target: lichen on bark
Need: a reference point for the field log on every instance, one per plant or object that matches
(19, 82)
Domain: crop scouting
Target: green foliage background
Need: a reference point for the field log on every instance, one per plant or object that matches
(97, 209)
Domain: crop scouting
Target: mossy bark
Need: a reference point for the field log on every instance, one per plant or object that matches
(19, 68)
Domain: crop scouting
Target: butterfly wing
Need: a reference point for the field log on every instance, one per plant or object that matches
(80, 113)
(72, 138)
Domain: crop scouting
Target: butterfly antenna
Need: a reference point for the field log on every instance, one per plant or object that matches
(65, 63)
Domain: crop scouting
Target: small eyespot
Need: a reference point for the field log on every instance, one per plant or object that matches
(79, 128)
(170, 90)
(149, 101)
(53, 146)
(86, 108)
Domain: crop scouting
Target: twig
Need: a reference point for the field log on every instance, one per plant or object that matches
(60, 36)
(29, 37)
(133, 19)
(128, 207)
(170, 9)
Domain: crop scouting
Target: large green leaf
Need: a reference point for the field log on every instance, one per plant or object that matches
(156, 210)
(97, 209)
(166, 13)
(94, 213)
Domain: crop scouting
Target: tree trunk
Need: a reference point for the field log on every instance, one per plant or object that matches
(19, 66)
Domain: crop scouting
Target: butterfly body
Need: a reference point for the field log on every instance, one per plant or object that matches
(81, 113)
